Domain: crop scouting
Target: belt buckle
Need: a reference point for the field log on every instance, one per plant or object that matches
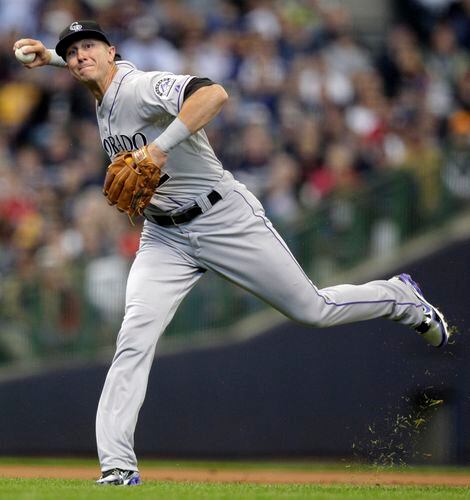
(172, 218)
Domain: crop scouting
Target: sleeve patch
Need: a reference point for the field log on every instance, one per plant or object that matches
(163, 86)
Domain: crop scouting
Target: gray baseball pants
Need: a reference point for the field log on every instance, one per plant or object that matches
(236, 240)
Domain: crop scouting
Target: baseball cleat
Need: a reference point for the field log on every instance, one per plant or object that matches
(434, 327)
(119, 477)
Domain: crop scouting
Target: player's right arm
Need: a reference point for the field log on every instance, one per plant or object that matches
(193, 102)
(196, 112)
(43, 57)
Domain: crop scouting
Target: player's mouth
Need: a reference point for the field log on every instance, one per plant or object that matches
(82, 69)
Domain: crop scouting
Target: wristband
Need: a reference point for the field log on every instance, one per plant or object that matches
(56, 60)
(175, 133)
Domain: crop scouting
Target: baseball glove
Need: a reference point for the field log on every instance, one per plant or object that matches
(131, 180)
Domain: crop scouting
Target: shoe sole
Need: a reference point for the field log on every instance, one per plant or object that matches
(407, 279)
(134, 481)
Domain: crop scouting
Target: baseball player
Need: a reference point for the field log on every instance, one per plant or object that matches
(199, 218)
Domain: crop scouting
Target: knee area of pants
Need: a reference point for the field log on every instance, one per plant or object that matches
(305, 317)
(139, 333)
(139, 317)
(132, 353)
(312, 315)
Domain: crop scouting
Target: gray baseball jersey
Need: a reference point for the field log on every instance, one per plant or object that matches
(231, 237)
(153, 99)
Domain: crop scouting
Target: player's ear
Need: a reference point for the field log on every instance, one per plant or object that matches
(111, 53)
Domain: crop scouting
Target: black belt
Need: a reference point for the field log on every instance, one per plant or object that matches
(182, 217)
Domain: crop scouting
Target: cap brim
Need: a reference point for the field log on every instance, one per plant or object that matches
(61, 47)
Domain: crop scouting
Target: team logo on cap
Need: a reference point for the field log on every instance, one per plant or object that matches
(75, 26)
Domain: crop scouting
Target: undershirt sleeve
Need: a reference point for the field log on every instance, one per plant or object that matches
(195, 84)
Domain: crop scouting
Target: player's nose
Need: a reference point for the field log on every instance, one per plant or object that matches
(81, 54)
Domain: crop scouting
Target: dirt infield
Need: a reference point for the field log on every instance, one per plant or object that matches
(248, 476)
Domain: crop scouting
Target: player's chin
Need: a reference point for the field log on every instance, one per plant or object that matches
(83, 77)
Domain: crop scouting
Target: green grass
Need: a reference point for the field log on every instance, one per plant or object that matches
(51, 489)
(42, 489)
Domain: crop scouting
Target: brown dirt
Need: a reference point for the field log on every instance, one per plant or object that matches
(247, 476)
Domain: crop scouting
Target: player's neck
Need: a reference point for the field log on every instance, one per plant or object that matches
(99, 87)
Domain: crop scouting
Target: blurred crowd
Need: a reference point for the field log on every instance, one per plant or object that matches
(314, 110)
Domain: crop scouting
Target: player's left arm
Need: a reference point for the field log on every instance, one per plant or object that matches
(201, 105)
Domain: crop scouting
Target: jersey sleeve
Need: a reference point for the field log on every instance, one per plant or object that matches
(156, 91)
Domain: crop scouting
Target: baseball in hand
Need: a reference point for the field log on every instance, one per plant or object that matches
(24, 58)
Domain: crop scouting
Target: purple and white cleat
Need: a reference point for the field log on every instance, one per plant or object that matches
(434, 327)
(119, 477)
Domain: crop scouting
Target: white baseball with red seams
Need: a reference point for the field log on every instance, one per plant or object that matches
(233, 238)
